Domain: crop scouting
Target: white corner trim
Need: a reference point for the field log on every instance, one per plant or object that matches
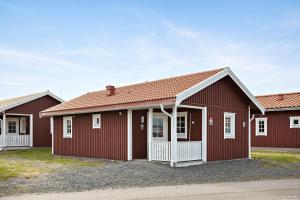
(209, 81)
(204, 134)
(31, 98)
(129, 134)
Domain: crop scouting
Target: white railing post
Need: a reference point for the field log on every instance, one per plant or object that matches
(129, 134)
(4, 130)
(52, 134)
(150, 127)
(204, 134)
(174, 137)
(249, 133)
(31, 130)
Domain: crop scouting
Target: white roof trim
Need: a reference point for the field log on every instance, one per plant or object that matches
(282, 109)
(31, 98)
(207, 82)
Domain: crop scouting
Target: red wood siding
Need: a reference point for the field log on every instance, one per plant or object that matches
(109, 142)
(224, 96)
(41, 126)
(279, 133)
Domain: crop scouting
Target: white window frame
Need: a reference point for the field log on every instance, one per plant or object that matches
(232, 125)
(182, 135)
(292, 125)
(94, 121)
(12, 120)
(265, 120)
(65, 133)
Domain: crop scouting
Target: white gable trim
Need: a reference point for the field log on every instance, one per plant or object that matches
(207, 82)
(31, 98)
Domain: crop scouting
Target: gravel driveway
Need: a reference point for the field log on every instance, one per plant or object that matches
(144, 173)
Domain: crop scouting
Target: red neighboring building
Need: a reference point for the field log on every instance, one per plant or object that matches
(280, 126)
(197, 117)
(20, 124)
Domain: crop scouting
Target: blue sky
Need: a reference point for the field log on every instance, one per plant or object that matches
(73, 47)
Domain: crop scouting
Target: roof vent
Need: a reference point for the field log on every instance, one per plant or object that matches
(110, 90)
(280, 97)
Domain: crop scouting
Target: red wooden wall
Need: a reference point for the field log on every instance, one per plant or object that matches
(224, 96)
(41, 126)
(109, 142)
(279, 133)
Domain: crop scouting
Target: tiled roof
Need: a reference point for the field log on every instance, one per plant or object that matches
(12, 102)
(165, 89)
(278, 101)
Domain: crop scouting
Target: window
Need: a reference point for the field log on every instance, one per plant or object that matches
(182, 125)
(229, 125)
(12, 125)
(23, 125)
(160, 127)
(261, 126)
(96, 120)
(67, 127)
(295, 122)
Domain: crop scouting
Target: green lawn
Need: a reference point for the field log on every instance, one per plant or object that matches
(276, 158)
(37, 161)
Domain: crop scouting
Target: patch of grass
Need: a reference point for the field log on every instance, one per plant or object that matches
(276, 158)
(36, 161)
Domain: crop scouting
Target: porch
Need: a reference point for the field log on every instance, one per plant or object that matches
(157, 133)
(16, 130)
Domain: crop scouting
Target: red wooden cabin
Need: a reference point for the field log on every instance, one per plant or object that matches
(197, 117)
(280, 126)
(20, 124)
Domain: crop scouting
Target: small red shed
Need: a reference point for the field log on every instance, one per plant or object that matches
(280, 126)
(202, 116)
(20, 124)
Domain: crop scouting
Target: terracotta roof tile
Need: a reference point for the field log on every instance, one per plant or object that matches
(142, 92)
(274, 102)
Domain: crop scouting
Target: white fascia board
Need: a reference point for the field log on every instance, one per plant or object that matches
(207, 82)
(282, 109)
(31, 98)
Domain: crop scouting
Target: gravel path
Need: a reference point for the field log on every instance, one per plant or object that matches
(144, 173)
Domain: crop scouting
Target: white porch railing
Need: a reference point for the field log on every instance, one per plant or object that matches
(16, 140)
(186, 151)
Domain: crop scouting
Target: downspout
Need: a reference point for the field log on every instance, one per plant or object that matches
(163, 110)
(173, 135)
(249, 130)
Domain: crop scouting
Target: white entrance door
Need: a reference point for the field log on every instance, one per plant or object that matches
(160, 127)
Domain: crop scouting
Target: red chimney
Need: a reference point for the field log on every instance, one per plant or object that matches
(110, 90)
(280, 97)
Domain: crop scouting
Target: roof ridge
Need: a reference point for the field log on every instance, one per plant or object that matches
(24, 96)
(269, 95)
(163, 79)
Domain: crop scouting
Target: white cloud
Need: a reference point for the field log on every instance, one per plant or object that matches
(17, 56)
(181, 32)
